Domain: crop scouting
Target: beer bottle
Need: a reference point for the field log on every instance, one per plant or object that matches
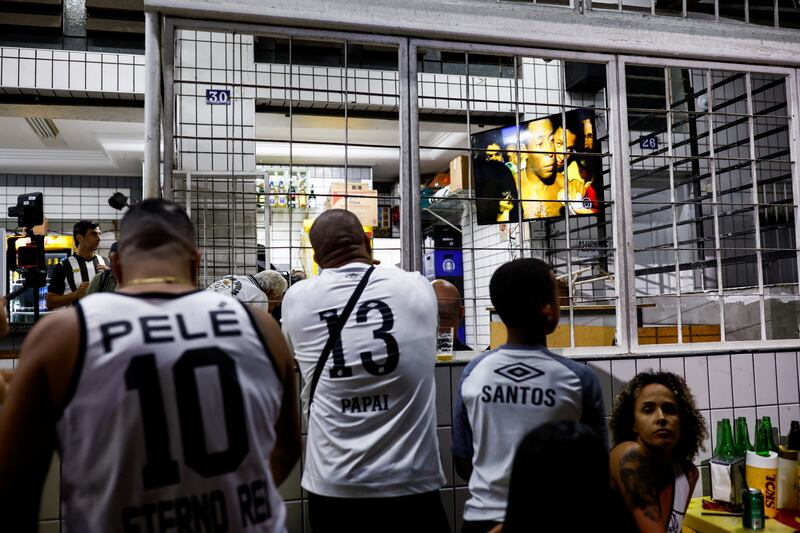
(769, 436)
(762, 448)
(725, 451)
(312, 199)
(794, 436)
(718, 440)
(743, 437)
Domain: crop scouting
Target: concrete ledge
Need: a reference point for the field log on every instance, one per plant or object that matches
(509, 23)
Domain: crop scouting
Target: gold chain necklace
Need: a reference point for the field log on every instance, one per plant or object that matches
(154, 281)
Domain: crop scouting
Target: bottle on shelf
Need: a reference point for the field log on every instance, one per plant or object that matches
(272, 191)
(742, 437)
(312, 199)
(794, 436)
(281, 200)
(302, 199)
(260, 193)
(724, 451)
(292, 195)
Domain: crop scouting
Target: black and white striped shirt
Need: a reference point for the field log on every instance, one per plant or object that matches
(72, 271)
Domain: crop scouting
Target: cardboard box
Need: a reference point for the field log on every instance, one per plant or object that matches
(459, 174)
(359, 200)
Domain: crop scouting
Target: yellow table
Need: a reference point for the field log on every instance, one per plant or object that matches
(703, 523)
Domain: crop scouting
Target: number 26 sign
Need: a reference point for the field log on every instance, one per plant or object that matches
(218, 96)
(648, 143)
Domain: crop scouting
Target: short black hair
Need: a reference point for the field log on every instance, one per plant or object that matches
(519, 289)
(157, 226)
(559, 452)
(81, 227)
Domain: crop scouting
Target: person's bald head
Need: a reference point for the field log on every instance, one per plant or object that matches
(338, 238)
(449, 300)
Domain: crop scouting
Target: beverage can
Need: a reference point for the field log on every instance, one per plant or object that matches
(752, 509)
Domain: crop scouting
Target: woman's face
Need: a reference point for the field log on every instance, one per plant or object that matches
(656, 421)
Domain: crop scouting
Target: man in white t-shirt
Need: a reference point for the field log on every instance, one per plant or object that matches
(372, 456)
(264, 289)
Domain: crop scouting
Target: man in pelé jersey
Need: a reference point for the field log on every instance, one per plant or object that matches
(172, 409)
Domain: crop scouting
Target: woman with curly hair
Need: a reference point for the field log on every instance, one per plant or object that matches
(657, 434)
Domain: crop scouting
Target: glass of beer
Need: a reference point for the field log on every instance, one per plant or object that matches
(444, 344)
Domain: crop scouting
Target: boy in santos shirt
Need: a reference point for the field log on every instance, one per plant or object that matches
(505, 393)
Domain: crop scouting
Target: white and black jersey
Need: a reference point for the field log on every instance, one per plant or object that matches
(505, 393)
(244, 288)
(72, 271)
(372, 424)
(170, 416)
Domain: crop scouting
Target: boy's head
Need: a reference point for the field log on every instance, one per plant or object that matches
(524, 294)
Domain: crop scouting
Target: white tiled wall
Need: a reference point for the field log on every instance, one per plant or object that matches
(67, 202)
(214, 137)
(72, 73)
(724, 386)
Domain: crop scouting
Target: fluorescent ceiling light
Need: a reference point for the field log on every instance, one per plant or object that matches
(323, 151)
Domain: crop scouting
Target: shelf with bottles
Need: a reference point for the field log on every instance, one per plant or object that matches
(282, 191)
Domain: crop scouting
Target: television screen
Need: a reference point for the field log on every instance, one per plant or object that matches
(541, 169)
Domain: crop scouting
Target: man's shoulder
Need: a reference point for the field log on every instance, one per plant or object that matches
(410, 283)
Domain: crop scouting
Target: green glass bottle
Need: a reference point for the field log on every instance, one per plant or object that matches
(725, 451)
(769, 437)
(762, 446)
(718, 439)
(742, 437)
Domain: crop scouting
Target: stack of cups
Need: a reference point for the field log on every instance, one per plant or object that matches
(761, 472)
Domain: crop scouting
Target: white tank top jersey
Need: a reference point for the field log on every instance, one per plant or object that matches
(505, 393)
(170, 417)
(372, 424)
(680, 495)
(243, 288)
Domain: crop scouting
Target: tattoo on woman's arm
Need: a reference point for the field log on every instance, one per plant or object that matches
(640, 487)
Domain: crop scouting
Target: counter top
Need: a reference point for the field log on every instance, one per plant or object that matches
(695, 520)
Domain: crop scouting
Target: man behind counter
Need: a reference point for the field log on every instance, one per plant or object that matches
(71, 276)
(450, 309)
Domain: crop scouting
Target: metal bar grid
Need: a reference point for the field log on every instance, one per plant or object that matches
(467, 99)
(622, 223)
(756, 209)
(672, 200)
(756, 138)
(567, 232)
(715, 209)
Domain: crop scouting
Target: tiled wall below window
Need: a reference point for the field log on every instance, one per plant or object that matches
(727, 385)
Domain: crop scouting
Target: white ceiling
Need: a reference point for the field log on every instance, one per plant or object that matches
(89, 143)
